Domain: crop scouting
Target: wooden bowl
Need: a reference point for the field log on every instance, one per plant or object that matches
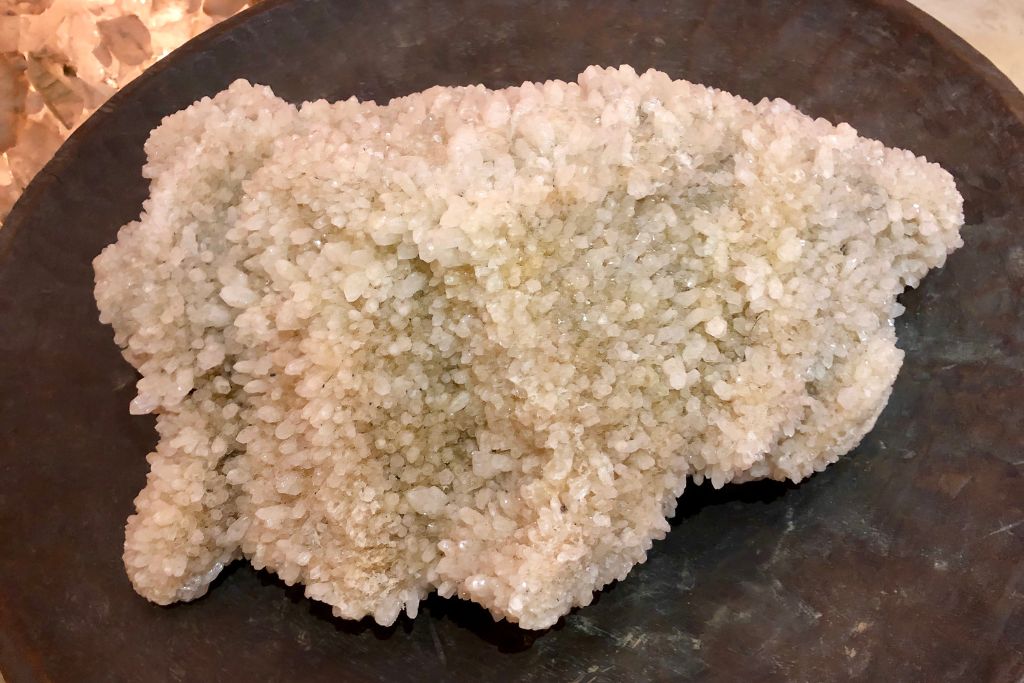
(905, 561)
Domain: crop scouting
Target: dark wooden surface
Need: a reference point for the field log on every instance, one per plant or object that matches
(904, 562)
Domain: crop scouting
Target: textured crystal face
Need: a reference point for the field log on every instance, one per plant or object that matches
(477, 341)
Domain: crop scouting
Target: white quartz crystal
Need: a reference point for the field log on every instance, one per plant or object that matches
(477, 341)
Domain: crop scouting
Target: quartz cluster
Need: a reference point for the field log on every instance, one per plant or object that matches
(477, 341)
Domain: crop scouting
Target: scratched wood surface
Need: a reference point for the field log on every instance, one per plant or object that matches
(905, 561)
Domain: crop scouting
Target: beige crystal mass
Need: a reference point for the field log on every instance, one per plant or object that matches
(477, 341)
